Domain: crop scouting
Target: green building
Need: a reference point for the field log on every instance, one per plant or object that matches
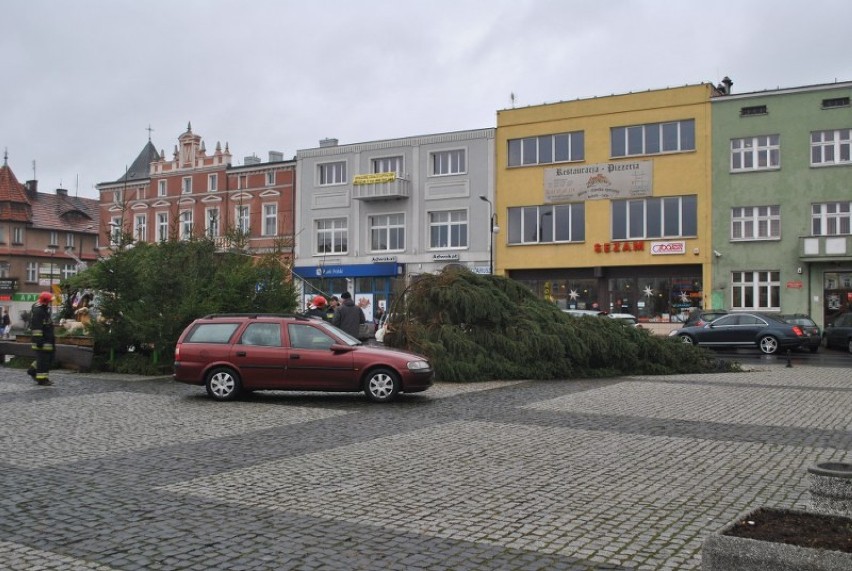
(782, 201)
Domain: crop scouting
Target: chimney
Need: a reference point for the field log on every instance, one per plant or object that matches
(328, 142)
(32, 188)
(61, 192)
(725, 86)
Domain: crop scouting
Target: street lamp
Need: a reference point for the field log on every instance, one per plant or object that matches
(52, 252)
(492, 220)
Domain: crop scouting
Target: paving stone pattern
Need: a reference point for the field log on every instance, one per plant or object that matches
(103, 472)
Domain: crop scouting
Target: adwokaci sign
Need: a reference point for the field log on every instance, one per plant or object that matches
(598, 181)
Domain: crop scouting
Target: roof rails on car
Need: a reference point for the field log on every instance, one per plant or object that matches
(300, 316)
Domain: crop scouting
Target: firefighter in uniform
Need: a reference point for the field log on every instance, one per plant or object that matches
(41, 324)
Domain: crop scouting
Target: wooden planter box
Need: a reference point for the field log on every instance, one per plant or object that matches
(724, 552)
(75, 340)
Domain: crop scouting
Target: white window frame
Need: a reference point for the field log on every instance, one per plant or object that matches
(32, 272)
(212, 182)
(395, 164)
(759, 153)
(18, 235)
(162, 226)
(115, 230)
(270, 178)
(270, 219)
(448, 229)
(387, 232)
(650, 135)
(330, 174)
(211, 222)
(831, 219)
(186, 185)
(140, 227)
(68, 270)
(755, 223)
(763, 287)
(332, 236)
(161, 188)
(831, 147)
(448, 162)
(641, 208)
(185, 224)
(53, 240)
(69, 240)
(242, 216)
(541, 150)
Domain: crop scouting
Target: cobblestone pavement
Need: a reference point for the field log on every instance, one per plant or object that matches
(105, 472)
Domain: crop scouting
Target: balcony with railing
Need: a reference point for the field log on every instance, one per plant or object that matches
(380, 186)
(825, 248)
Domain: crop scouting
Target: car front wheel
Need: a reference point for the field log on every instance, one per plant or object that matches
(381, 385)
(768, 345)
(688, 340)
(223, 384)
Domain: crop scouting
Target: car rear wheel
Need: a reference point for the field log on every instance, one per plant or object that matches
(223, 384)
(381, 385)
(688, 340)
(768, 345)
(849, 345)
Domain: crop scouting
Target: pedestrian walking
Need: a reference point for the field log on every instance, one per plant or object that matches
(7, 324)
(41, 324)
(348, 316)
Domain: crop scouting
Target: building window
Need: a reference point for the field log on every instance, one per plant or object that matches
(332, 173)
(755, 153)
(831, 218)
(270, 178)
(332, 236)
(2, 234)
(756, 223)
(186, 225)
(17, 235)
(664, 217)
(547, 224)
(755, 290)
(69, 240)
(212, 182)
(653, 138)
(547, 149)
(835, 102)
(388, 164)
(242, 182)
(68, 270)
(387, 232)
(161, 188)
(115, 230)
(448, 229)
(162, 226)
(831, 147)
(243, 219)
(270, 219)
(187, 185)
(211, 222)
(754, 110)
(32, 272)
(54, 239)
(448, 162)
(140, 227)
(4, 269)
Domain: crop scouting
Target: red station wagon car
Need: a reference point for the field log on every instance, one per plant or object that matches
(233, 353)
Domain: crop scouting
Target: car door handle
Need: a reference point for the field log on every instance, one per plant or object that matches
(241, 353)
(294, 355)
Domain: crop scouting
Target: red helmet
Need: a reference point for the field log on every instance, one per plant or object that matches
(318, 301)
(45, 297)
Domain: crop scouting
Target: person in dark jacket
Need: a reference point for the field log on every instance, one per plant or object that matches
(41, 324)
(317, 307)
(332, 306)
(348, 316)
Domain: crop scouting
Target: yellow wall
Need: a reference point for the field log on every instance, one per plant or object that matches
(673, 174)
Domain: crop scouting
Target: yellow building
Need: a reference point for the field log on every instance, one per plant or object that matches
(605, 202)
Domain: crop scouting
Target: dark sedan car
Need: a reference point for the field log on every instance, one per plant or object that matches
(839, 332)
(765, 332)
(810, 329)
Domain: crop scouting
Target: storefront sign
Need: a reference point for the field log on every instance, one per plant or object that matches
(350, 270)
(375, 178)
(377, 259)
(668, 248)
(444, 257)
(795, 284)
(8, 284)
(598, 181)
(616, 247)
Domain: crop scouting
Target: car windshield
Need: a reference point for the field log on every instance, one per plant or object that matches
(348, 339)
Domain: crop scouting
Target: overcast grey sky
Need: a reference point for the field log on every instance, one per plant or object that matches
(85, 78)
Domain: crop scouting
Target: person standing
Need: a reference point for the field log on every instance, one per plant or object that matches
(7, 324)
(348, 316)
(317, 307)
(41, 324)
(332, 306)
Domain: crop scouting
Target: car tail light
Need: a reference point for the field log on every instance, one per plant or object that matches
(798, 331)
(177, 353)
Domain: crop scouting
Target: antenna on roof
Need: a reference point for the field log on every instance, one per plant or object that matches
(512, 99)
(34, 171)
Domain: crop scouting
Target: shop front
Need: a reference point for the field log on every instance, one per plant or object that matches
(652, 293)
(837, 294)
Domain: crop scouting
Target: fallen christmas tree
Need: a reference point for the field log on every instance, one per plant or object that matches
(475, 328)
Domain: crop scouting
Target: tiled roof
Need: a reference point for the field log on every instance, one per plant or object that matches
(63, 212)
(141, 167)
(14, 204)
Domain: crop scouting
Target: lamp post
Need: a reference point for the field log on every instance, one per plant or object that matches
(492, 221)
